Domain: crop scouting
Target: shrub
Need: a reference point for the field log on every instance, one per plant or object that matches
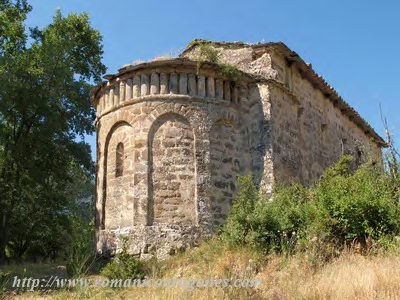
(240, 221)
(344, 207)
(262, 223)
(358, 205)
(124, 266)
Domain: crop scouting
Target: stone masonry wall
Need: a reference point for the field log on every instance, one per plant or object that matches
(184, 141)
(172, 171)
(308, 132)
(225, 147)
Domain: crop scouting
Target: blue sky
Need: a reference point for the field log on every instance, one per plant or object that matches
(353, 44)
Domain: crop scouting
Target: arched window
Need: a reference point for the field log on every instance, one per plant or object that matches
(119, 160)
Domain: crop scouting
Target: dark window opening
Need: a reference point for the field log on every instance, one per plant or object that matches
(119, 161)
(344, 146)
(300, 112)
(359, 156)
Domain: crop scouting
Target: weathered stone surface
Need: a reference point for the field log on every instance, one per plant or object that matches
(172, 171)
(105, 102)
(163, 83)
(227, 90)
(210, 87)
(111, 97)
(201, 86)
(169, 154)
(173, 83)
(183, 84)
(225, 162)
(155, 84)
(122, 91)
(116, 94)
(128, 89)
(235, 94)
(144, 85)
(219, 89)
(136, 86)
(192, 85)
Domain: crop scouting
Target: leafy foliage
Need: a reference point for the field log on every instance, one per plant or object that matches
(344, 207)
(44, 111)
(359, 205)
(124, 266)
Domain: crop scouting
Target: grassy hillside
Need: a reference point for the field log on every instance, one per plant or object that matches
(348, 276)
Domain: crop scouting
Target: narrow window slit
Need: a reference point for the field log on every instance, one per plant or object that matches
(119, 161)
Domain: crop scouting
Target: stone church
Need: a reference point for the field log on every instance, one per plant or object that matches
(172, 135)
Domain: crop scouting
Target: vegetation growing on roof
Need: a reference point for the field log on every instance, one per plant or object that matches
(196, 42)
(230, 71)
(207, 53)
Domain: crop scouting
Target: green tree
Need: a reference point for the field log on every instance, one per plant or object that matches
(45, 77)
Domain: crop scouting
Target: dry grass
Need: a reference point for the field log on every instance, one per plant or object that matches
(350, 276)
(172, 53)
(34, 270)
(161, 57)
